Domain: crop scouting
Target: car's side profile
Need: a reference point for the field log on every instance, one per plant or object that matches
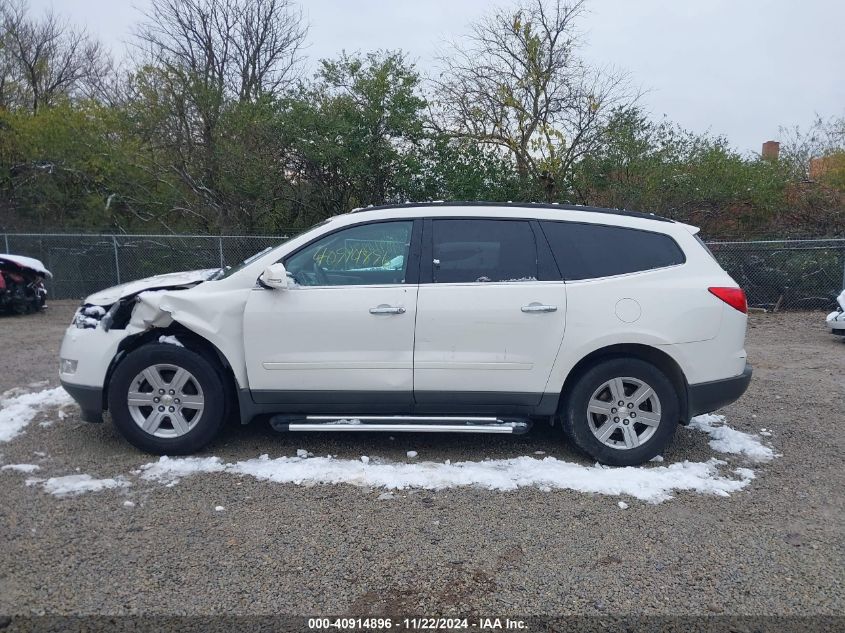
(463, 317)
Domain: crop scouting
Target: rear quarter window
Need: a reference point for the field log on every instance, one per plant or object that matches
(588, 251)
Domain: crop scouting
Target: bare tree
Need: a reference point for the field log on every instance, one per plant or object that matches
(270, 35)
(800, 145)
(234, 48)
(203, 55)
(516, 82)
(47, 58)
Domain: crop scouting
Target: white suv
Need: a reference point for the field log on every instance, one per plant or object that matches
(460, 317)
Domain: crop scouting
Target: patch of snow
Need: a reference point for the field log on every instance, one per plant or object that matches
(724, 439)
(77, 484)
(97, 312)
(22, 468)
(411, 454)
(170, 340)
(128, 504)
(365, 459)
(653, 485)
(27, 262)
(539, 452)
(623, 505)
(386, 496)
(171, 470)
(18, 411)
(219, 508)
(301, 452)
(656, 458)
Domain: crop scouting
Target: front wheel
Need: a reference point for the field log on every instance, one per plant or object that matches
(622, 412)
(167, 399)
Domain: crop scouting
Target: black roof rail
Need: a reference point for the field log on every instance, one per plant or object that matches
(524, 205)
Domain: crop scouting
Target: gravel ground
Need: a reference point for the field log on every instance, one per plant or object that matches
(774, 548)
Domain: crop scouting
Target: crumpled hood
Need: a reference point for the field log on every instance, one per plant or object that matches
(158, 282)
(27, 262)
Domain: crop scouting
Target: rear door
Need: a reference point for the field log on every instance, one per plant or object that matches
(490, 318)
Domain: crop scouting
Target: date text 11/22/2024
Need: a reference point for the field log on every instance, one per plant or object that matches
(417, 624)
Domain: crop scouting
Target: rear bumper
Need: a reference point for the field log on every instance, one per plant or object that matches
(709, 396)
(89, 399)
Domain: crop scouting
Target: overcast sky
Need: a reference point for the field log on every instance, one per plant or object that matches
(735, 67)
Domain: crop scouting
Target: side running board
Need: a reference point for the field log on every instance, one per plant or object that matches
(400, 424)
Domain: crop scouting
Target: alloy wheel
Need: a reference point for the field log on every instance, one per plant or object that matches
(624, 413)
(165, 400)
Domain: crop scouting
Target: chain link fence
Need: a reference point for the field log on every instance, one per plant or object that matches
(776, 274)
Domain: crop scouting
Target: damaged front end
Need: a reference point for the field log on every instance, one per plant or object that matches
(836, 320)
(110, 324)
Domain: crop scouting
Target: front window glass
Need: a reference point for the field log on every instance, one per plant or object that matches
(369, 254)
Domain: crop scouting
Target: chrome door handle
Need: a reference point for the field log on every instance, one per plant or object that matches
(384, 309)
(538, 307)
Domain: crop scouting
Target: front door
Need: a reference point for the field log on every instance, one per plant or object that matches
(488, 329)
(343, 333)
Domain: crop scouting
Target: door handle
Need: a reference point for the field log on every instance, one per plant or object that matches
(538, 307)
(385, 309)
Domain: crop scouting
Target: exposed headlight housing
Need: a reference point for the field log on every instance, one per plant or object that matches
(88, 317)
(68, 366)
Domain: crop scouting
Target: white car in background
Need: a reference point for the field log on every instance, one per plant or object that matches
(449, 317)
(836, 319)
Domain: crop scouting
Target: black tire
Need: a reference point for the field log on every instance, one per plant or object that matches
(575, 416)
(211, 418)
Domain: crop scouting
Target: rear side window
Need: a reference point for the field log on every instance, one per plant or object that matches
(588, 251)
(478, 251)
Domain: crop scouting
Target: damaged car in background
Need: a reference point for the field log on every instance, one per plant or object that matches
(22, 289)
(434, 317)
(836, 319)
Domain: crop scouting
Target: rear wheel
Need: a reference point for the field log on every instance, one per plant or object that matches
(167, 399)
(622, 412)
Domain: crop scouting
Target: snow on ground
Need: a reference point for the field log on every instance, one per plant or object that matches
(724, 439)
(21, 468)
(652, 484)
(17, 411)
(76, 484)
(171, 470)
(647, 484)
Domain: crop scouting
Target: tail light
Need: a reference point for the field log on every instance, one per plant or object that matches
(734, 297)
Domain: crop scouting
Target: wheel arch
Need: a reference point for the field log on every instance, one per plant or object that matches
(660, 359)
(190, 340)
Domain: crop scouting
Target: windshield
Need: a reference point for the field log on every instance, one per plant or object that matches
(231, 270)
(228, 271)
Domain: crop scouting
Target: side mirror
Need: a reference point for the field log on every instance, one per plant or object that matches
(274, 277)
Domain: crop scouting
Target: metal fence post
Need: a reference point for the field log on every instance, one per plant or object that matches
(116, 259)
(843, 268)
(221, 250)
(6, 239)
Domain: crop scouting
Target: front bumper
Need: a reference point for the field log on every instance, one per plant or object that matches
(709, 396)
(836, 322)
(89, 399)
